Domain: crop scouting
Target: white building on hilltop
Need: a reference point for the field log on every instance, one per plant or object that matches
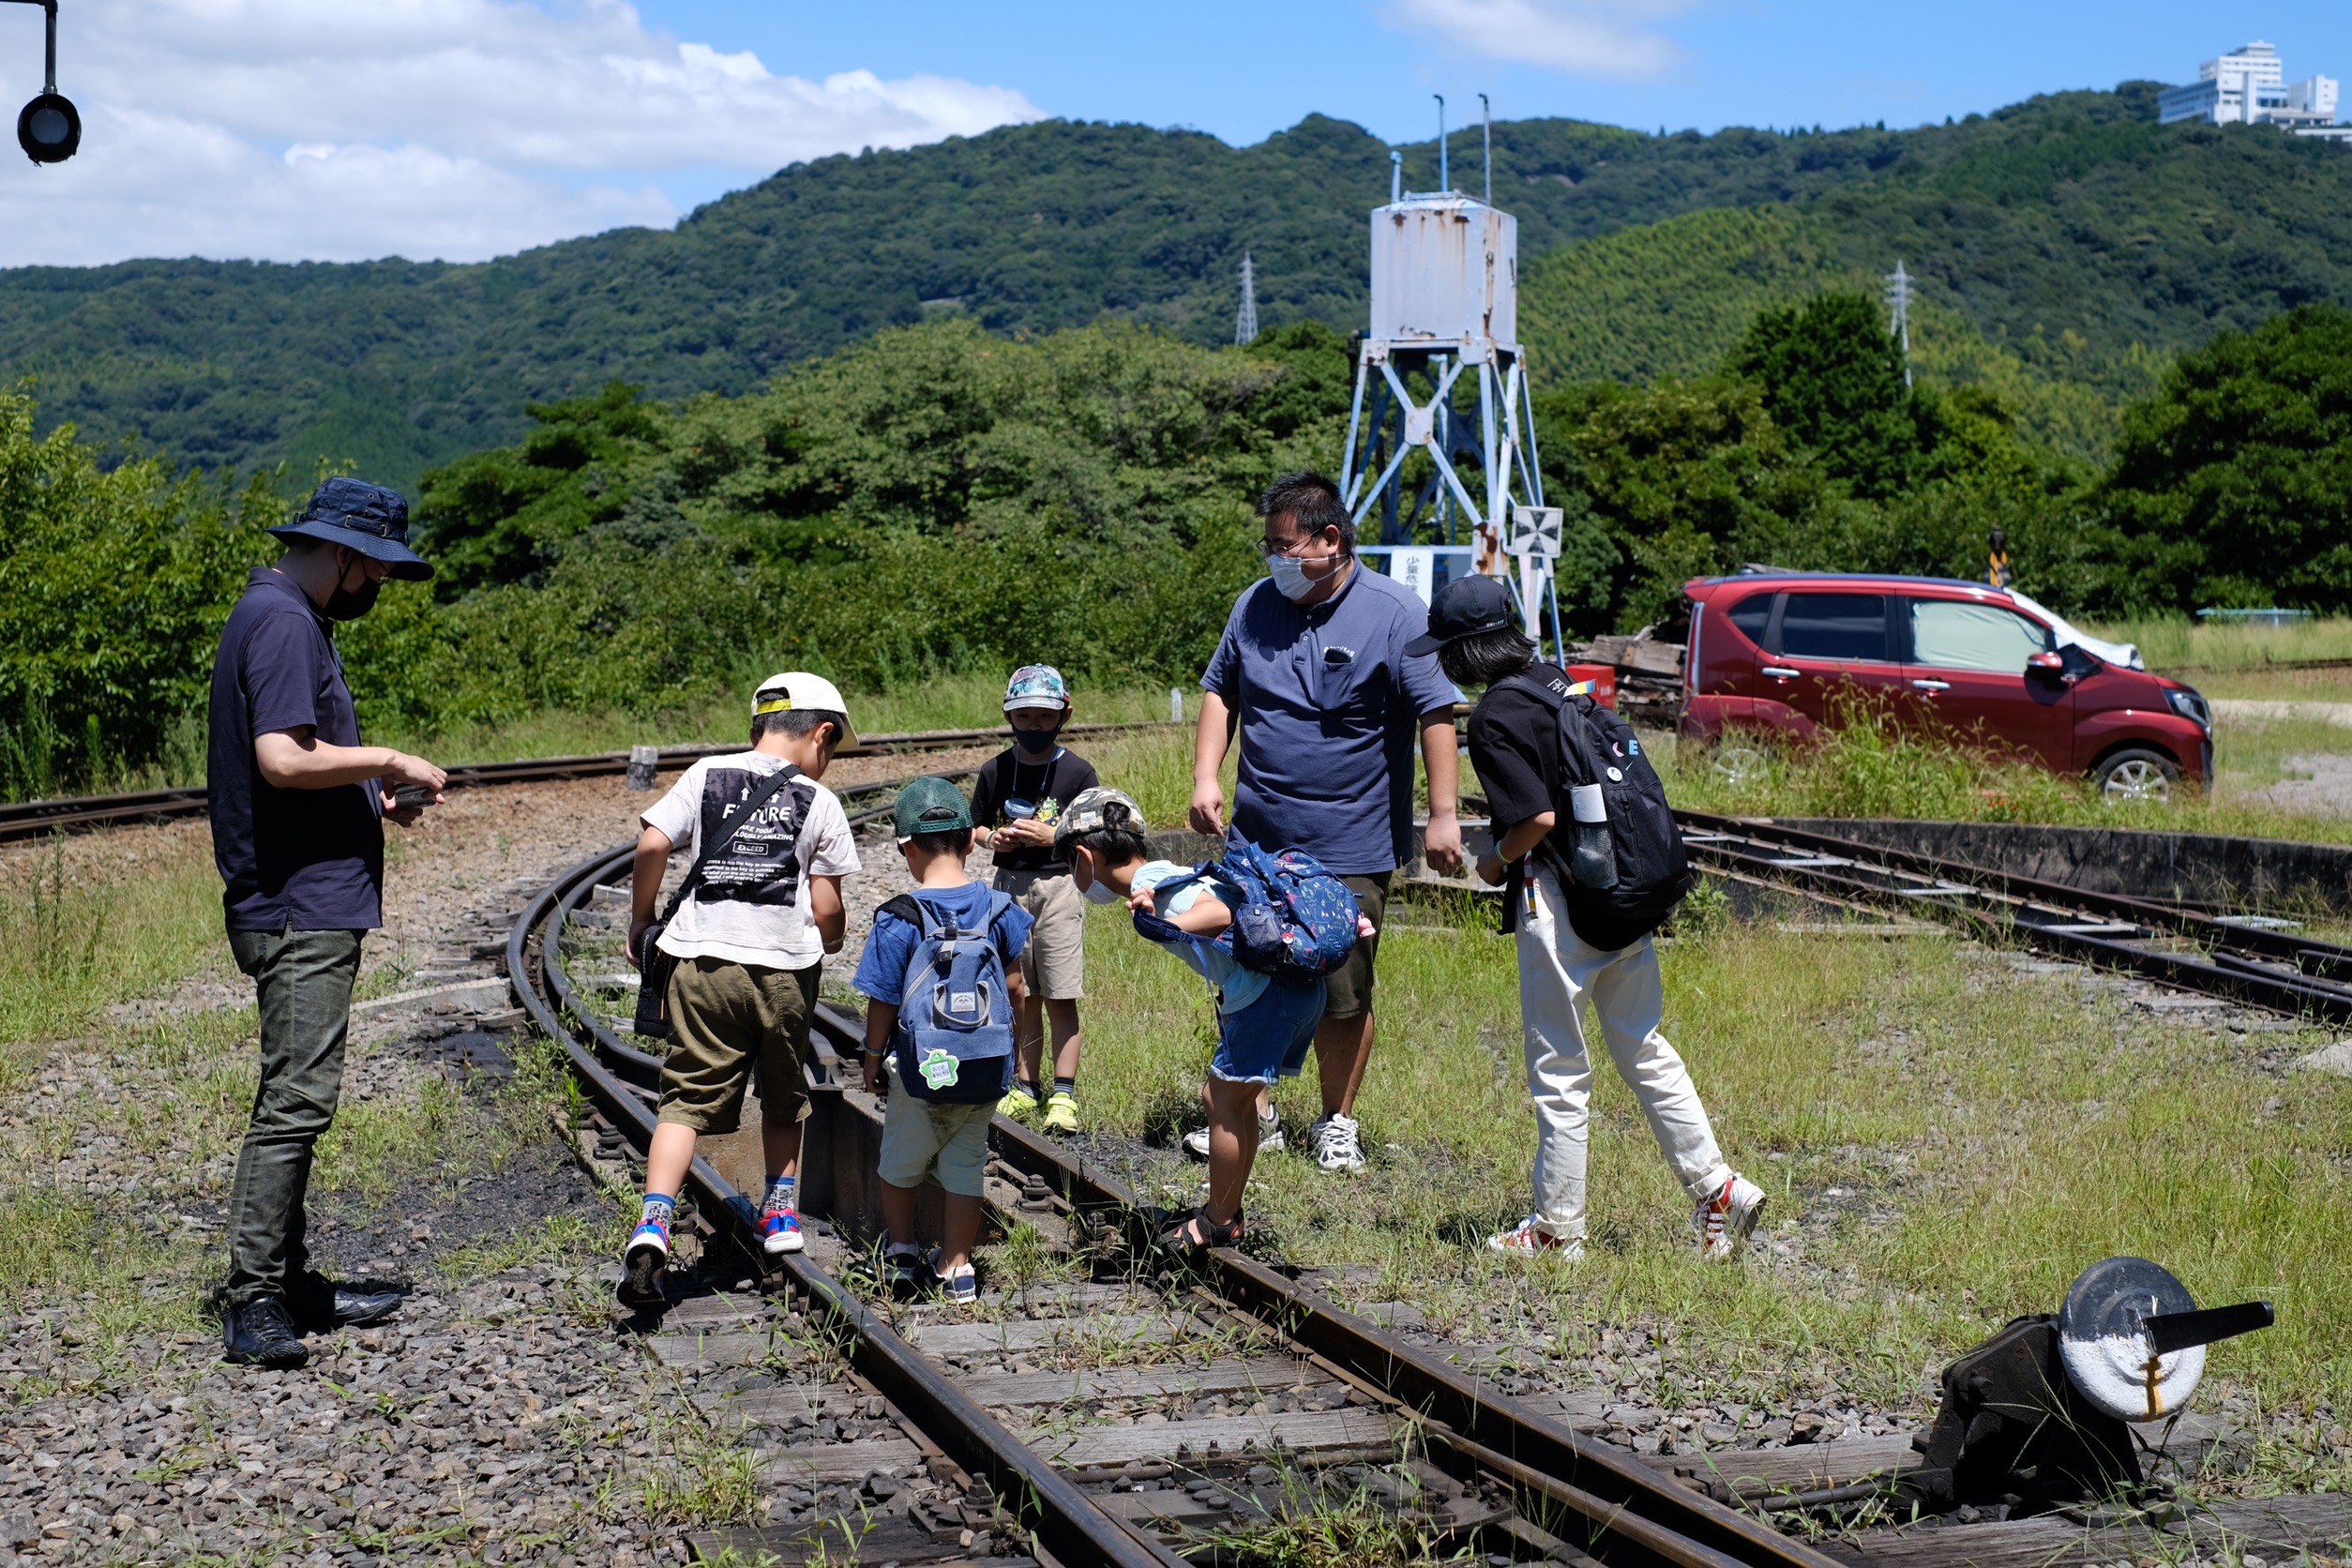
(2249, 87)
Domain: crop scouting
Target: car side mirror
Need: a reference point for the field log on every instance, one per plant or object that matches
(2049, 664)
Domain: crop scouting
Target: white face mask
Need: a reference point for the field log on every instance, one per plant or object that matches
(1289, 577)
(1101, 892)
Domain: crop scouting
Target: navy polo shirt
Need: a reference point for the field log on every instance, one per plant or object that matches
(1328, 706)
(308, 859)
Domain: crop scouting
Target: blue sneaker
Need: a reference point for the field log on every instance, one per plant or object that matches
(779, 1233)
(962, 1287)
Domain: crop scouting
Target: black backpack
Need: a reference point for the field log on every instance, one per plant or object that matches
(1629, 868)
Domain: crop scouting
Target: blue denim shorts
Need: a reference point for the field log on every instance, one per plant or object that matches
(1268, 1039)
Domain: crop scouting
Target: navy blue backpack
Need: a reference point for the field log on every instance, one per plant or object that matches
(1293, 920)
(954, 1033)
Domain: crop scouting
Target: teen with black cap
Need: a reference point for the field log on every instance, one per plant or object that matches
(297, 807)
(1514, 747)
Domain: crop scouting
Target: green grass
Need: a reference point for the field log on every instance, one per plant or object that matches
(2176, 645)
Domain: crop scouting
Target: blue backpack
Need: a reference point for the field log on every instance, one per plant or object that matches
(1293, 920)
(955, 1032)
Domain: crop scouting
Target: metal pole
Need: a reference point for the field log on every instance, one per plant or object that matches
(1486, 123)
(49, 67)
(1445, 181)
(1396, 178)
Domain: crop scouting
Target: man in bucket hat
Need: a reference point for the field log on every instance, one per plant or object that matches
(298, 831)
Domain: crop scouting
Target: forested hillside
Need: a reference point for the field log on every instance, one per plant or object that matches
(2071, 214)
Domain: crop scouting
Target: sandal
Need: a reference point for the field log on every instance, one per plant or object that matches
(1196, 1232)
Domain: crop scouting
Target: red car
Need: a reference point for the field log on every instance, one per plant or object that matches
(1768, 650)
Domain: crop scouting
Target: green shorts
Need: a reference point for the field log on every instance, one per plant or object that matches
(1350, 985)
(922, 1138)
(726, 1021)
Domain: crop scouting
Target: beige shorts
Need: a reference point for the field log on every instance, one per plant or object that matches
(922, 1138)
(1054, 965)
(727, 1021)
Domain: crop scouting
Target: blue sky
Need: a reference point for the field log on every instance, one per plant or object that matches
(485, 127)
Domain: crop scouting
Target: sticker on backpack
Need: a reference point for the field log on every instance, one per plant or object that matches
(940, 1069)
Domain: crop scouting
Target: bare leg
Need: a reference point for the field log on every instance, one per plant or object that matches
(1031, 1024)
(963, 1230)
(780, 1143)
(898, 1212)
(1343, 1046)
(1232, 1145)
(1063, 1013)
(666, 1162)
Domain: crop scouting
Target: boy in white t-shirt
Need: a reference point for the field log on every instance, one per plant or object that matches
(749, 941)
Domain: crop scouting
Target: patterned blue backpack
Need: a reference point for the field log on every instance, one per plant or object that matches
(954, 1033)
(1293, 920)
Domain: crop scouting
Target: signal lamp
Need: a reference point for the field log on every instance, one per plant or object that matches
(49, 129)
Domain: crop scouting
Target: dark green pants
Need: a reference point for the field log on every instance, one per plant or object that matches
(304, 979)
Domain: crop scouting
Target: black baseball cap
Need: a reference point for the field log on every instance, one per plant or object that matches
(1464, 608)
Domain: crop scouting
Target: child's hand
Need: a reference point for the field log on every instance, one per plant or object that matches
(1491, 869)
(873, 1075)
(1141, 901)
(1365, 930)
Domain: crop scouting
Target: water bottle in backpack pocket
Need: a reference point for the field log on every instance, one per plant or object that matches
(954, 1033)
(1293, 920)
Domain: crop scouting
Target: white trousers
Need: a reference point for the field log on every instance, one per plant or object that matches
(1557, 971)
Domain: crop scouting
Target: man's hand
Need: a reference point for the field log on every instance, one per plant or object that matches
(405, 769)
(1028, 831)
(1491, 869)
(1208, 807)
(406, 816)
(1442, 844)
(638, 928)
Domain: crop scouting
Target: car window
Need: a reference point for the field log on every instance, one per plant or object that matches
(1835, 625)
(1750, 616)
(1949, 634)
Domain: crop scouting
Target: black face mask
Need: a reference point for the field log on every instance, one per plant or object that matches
(1038, 744)
(350, 604)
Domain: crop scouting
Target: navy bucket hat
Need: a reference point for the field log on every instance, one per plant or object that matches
(369, 518)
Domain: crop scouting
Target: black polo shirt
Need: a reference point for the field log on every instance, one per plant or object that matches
(308, 859)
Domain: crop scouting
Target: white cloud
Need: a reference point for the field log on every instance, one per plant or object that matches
(333, 130)
(1584, 37)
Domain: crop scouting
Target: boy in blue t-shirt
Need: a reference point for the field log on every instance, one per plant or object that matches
(1264, 1025)
(924, 1138)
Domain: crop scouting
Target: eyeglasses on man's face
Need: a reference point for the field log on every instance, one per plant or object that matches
(1272, 548)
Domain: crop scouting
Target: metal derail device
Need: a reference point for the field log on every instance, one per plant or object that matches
(2038, 1416)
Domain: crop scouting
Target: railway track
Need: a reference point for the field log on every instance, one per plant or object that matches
(37, 819)
(1268, 1399)
(2251, 960)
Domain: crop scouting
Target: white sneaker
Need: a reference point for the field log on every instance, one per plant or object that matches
(1269, 1136)
(1335, 1146)
(1725, 1217)
(1529, 1239)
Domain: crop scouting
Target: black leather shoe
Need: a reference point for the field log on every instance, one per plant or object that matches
(260, 1334)
(322, 1306)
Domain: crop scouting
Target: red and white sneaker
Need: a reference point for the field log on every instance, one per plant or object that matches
(1529, 1239)
(1725, 1217)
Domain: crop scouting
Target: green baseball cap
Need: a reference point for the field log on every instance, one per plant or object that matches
(929, 806)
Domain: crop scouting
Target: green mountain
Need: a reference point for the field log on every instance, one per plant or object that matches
(2072, 214)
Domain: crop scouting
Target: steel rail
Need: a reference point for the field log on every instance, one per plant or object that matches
(2227, 958)
(1064, 1521)
(1628, 1513)
(35, 819)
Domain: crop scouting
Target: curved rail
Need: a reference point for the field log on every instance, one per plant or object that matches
(1064, 1519)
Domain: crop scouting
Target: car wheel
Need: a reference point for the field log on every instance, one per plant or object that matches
(1741, 763)
(2136, 773)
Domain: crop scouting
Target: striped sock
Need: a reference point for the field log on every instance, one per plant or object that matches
(659, 1212)
(780, 1192)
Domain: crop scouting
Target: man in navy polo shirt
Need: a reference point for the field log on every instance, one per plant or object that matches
(1313, 675)
(298, 809)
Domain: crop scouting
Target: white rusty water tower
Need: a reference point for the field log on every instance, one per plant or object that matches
(1440, 373)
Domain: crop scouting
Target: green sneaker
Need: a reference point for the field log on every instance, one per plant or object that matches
(1019, 1103)
(1061, 1112)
